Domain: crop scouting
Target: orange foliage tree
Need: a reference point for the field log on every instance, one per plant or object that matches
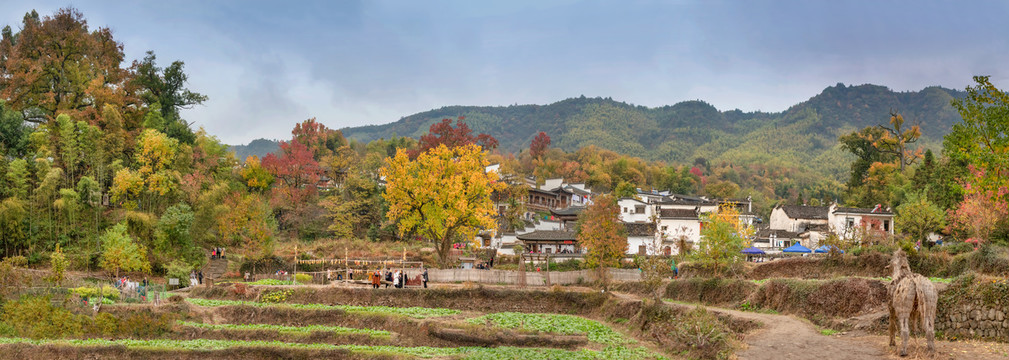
(600, 231)
(443, 195)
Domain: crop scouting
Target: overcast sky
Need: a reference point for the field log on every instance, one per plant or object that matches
(268, 64)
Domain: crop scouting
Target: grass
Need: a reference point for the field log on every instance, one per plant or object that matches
(828, 332)
(300, 330)
(414, 352)
(414, 312)
(554, 323)
(596, 332)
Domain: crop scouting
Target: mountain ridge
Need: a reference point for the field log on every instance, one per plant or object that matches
(803, 135)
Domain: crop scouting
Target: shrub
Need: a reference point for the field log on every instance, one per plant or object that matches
(106, 291)
(35, 317)
(706, 336)
(957, 248)
(303, 278)
(275, 297)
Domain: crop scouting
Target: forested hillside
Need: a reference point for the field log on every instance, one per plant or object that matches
(803, 136)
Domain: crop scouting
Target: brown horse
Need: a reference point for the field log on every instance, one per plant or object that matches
(912, 301)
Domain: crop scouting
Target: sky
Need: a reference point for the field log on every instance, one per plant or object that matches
(266, 65)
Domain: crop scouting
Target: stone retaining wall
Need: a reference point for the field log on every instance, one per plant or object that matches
(975, 320)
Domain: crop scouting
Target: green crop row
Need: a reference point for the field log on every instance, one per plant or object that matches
(414, 352)
(414, 312)
(287, 329)
(554, 323)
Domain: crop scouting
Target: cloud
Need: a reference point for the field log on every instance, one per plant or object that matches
(267, 65)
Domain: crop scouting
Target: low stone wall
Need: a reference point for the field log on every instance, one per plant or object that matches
(533, 278)
(975, 320)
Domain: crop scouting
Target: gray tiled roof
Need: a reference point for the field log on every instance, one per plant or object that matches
(781, 234)
(881, 211)
(640, 229)
(677, 214)
(548, 235)
(571, 210)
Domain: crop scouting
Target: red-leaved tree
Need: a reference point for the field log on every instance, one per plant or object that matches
(294, 192)
(539, 145)
(443, 133)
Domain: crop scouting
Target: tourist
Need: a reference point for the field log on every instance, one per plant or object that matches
(424, 276)
(200, 277)
(376, 279)
(350, 274)
(388, 278)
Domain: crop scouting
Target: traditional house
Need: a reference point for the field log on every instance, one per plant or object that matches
(679, 224)
(551, 242)
(635, 211)
(813, 223)
(641, 239)
(771, 240)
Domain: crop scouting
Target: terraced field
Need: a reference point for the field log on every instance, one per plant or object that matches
(222, 327)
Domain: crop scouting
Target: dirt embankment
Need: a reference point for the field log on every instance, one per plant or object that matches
(478, 299)
(813, 299)
(49, 352)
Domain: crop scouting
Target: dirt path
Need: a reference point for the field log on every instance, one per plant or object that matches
(786, 337)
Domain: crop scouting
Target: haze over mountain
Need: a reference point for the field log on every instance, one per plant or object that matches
(805, 135)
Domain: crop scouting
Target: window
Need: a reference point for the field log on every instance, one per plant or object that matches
(850, 221)
(642, 250)
(549, 250)
(639, 209)
(665, 227)
(625, 210)
(886, 225)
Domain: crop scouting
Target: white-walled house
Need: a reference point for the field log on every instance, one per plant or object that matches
(845, 220)
(641, 239)
(675, 224)
(813, 223)
(635, 211)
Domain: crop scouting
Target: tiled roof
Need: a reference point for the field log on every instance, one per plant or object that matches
(571, 210)
(881, 211)
(806, 212)
(677, 214)
(682, 201)
(640, 229)
(548, 235)
(780, 234)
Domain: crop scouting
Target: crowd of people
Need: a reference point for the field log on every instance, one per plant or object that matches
(396, 278)
(217, 253)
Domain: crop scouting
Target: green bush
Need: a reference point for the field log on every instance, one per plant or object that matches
(179, 270)
(303, 278)
(35, 317)
(107, 291)
(704, 334)
(957, 248)
(276, 297)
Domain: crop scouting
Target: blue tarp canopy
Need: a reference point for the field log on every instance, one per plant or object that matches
(753, 251)
(797, 248)
(826, 249)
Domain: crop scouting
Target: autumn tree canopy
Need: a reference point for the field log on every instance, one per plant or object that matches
(443, 133)
(58, 64)
(539, 145)
(442, 196)
(601, 233)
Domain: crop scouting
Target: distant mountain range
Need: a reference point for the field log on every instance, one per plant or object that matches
(805, 135)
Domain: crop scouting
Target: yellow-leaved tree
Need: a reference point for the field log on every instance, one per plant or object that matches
(600, 231)
(443, 195)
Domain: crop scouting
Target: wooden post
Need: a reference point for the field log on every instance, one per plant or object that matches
(548, 270)
(294, 279)
(346, 261)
